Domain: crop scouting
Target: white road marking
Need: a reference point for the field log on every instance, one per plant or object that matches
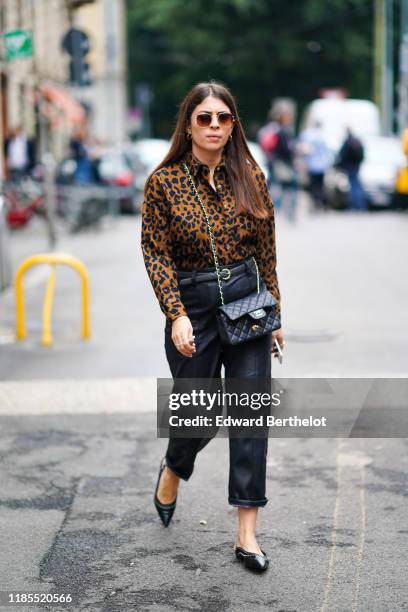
(360, 551)
(345, 563)
(95, 396)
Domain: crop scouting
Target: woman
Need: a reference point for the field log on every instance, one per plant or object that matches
(210, 140)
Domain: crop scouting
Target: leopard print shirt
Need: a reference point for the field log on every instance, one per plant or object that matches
(175, 234)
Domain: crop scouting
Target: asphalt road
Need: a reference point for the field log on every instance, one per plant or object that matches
(80, 456)
(76, 516)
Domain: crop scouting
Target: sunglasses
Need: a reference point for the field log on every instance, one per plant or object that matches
(225, 119)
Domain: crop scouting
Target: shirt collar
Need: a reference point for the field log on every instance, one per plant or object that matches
(196, 166)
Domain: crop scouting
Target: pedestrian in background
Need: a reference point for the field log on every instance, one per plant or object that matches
(318, 159)
(350, 158)
(19, 152)
(268, 139)
(209, 151)
(284, 171)
(80, 151)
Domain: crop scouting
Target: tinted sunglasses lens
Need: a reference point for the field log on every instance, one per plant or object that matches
(204, 120)
(225, 118)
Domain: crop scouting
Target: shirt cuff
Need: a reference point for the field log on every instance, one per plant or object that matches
(180, 311)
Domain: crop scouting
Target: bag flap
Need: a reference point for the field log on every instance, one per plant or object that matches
(247, 305)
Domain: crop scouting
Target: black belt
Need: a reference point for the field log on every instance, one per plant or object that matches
(190, 277)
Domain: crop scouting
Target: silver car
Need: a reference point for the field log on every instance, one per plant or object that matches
(383, 156)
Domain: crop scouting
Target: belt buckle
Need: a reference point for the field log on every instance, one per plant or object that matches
(228, 272)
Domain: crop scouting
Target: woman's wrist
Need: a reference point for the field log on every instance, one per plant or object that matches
(180, 317)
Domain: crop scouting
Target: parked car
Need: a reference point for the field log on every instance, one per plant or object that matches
(114, 169)
(111, 169)
(144, 156)
(383, 157)
(259, 157)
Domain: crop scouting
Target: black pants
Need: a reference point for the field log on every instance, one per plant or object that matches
(247, 475)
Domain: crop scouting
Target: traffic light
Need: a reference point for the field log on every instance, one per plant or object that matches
(79, 73)
(76, 43)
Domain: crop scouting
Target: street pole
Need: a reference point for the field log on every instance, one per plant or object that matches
(45, 155)
(143, 98)
(383, 62)
(378, 50)
(403, 71)
(50, 197)
(5, 258)
(389, 69)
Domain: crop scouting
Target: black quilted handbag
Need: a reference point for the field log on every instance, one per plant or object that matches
(246, 318)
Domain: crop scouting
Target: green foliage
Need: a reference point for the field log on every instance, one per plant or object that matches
(260, 48)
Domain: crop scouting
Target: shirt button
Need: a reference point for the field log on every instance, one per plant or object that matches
(217, 168)
(219, 187)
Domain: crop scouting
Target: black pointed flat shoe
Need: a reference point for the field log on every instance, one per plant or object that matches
(252, 561)
(165, 511)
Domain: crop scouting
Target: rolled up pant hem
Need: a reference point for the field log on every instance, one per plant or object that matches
(248, 503)
(177, 472)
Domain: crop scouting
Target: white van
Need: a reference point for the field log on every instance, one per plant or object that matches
(337, 114)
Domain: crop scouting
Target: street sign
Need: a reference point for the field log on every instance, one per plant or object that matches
(18, 44)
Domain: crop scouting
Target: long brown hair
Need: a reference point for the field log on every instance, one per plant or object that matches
(236, 150)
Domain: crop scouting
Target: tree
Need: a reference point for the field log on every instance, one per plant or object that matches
(261, 49)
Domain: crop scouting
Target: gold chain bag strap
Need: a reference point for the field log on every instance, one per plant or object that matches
(246, 318)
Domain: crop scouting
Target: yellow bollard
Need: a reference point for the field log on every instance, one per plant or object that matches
(49, 294)
(52, 259)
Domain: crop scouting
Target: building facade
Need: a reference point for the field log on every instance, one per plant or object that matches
(104, 22)
(35, 93)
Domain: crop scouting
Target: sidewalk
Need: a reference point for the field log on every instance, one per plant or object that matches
(343, 304)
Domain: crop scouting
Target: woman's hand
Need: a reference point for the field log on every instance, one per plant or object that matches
(182, 336)
(277, 335)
